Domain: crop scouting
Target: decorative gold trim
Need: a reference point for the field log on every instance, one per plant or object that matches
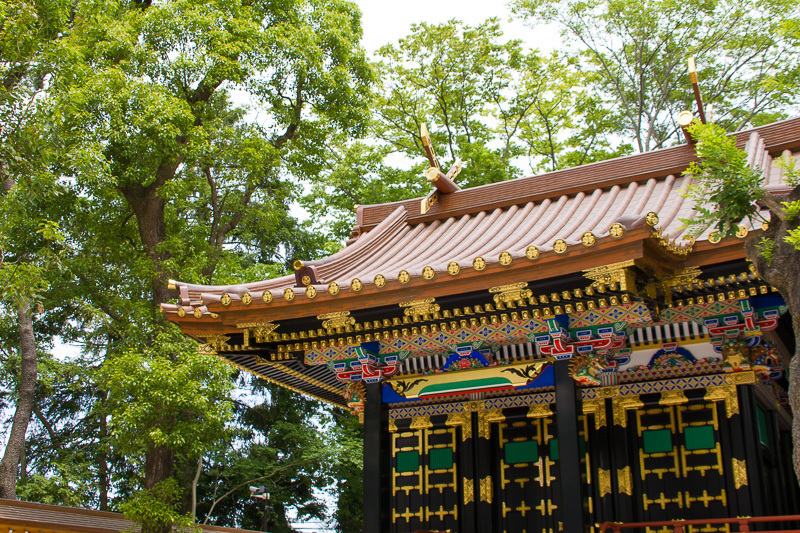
(225, 299)
(560, 246)
(380, 280)
(741, 232)
(505, 258)
(541, 410)
(453, 268)
(306, 280)
(616, 230)
(621, 405)
(337, 319)
(486, 418)
(428, 272)
(673, 397)
(651, 219)
(171, 284)
(297, 264)
(532, 252)
(206, 349)
(403, 276)
(463, 419)
(740, 378)
(625, 480)
(260, 329)
(604, 481)
(469, 491)
(392, 426)
(218, 342)
(479, 263)
(356, 285)
(288, 294)
(311, 291)
(613, 273)
(739, 473)
(486, 489)
(266, 296)
(727, 394)
(420, 308)
(596, 407)
(588, 239)
(181, 312)
(333, 288)
(714, 237)
(421, 422)
(511, 293)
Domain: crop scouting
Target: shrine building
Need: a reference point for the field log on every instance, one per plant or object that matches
(538, 355)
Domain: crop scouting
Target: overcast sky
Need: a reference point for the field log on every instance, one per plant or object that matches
(387, 21)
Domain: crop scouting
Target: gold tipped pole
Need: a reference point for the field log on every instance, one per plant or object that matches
(428, 146)
(696, 87)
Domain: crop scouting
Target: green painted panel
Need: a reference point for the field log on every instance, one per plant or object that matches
(763, 433)
(521, 452)
(407, 461)
(699, 437)
(657, 441)
(554, 449)
(440, 458)
(467, 384)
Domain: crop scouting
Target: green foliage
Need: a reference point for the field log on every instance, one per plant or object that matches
(167, 395)
(485, 100)
(766, 248)
(154, 509)
(726, 189)
(746, 51)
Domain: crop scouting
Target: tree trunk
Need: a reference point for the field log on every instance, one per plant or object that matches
(158, 466)
(783, 273)
(102, 455)
(9, 467)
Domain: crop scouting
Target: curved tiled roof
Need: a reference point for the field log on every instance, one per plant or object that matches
(478, 222)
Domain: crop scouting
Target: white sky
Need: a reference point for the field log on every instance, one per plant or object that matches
(387, 21)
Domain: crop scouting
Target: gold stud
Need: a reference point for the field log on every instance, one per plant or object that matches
(479, 263)
(297, 264)
(333, 288)
(356, 284)
(306, 280)
(247, 299)
(741, 232)
(266, 296)
(505, 258)
(380, 280)
(225, 299)
(532, 252)
(428, 272)
(403, 276)
(453, 268)
(588, 239)
(560, 246)
(616, 230)
(181, 312)
(198, 313)
(714, 237)
(288, 294)
(311, 291)
(651, 218)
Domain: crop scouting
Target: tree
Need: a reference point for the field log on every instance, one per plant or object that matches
(729, 191)
(194, 120)
(485, 100)
(747, 54)
(29, 241)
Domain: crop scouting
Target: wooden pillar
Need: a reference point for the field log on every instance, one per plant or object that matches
(376, 461)
(572, 490)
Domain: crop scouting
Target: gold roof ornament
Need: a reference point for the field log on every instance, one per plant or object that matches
(338, 319)
(511, 293)
(420, 308)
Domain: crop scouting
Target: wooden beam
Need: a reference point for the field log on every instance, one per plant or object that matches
(696, 87)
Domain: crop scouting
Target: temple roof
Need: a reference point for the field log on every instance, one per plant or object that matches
(534, 228)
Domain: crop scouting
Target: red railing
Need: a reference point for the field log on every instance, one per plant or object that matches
(679, 525)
